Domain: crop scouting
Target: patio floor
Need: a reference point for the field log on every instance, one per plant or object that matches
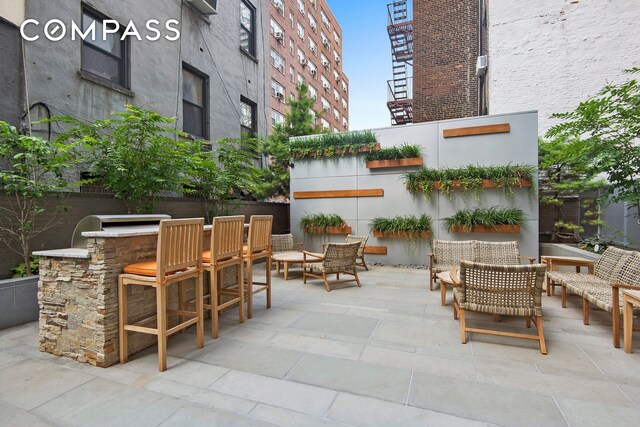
(384, 354)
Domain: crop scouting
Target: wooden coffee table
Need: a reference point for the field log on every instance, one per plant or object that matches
(290, 257)
(447, 278)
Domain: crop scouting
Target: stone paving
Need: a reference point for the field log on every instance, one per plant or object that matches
(384, 354)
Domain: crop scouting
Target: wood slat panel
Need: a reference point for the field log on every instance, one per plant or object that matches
(477, 130)
(332, 194)
(375, 250)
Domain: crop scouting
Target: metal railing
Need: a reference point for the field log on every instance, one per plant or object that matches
(397, 92)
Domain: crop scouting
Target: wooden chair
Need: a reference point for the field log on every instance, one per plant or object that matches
(258, 247)
(226, 251)
(337, 258)
(179, 257)
(363, 243)
(512, 290)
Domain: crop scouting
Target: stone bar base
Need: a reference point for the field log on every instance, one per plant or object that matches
(78, 299)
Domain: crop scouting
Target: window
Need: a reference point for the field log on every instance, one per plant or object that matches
(345, 123)
(194, 102)
(313, 93)
(276, 118)
(313, 70)
(336, 57)
(312, 23)
(325, 83)
(336, 130)
(279, 5)
(313, 46)
(325, 61)
(291, 19)
(277, 61)
(300, 79)
(300, 31)
(325, 40)
(277, 90)
(325, 19)
(276, 30)
(291, 46)
(325, 124)
(314, 117)
(106, 59)
(336, 37)
(336, 76)
(292, 74)
(344, 86)
(301, 57)
(301, 6)
(247, 30)
(247, 116)
(325, 105)
(336, 114)
(344, 103)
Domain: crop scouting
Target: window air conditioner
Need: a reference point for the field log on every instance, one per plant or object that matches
(337, 79)
(279, 36)
(325, 42)
(313, 25)
(303, 62)
(313, 73)
(481, 65)
(205, 7)
(280, 96)
(313, 49)
(325, 64)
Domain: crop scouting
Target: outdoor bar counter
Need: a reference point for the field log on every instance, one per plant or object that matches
(78, 295)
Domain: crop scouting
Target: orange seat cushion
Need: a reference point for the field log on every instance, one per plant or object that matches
(145, 268)
(245, 249)
(206, 256)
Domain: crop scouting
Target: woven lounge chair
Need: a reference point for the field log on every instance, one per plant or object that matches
(283, 244)
(337, 258)
(363, 243)
(511, 290)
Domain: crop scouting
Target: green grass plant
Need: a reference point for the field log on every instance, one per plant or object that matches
(320, 222)
(404, 151)
(328, 144)
(490, 217)
(409, 223)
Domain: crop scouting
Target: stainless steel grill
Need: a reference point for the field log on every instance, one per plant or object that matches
(114, 223)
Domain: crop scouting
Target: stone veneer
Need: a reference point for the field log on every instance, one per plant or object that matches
(78, 299)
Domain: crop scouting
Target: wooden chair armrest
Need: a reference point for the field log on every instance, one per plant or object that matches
(312, 255)
(531, 259)
(624, 286)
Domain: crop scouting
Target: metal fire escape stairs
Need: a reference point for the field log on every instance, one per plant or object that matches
(400, 89)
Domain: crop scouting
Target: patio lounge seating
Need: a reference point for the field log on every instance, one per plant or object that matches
(337, 258)
(283, 244)
(616, 269)
(363, 243)
(447, 255)
(511, 290)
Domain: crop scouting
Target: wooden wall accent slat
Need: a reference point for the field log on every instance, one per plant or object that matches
(332, 194)
(477, 130)
(375, 250)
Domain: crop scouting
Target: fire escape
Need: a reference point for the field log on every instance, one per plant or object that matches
(400, 89)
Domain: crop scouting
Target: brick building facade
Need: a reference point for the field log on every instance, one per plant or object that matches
(446, 47)
(305, 44)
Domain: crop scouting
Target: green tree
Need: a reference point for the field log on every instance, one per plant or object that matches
(138, 155)
(31, 168)
(298, 122)
(214, 174)
(561, 176)
(606, 130)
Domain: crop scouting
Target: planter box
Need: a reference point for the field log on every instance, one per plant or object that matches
(486, 183)
(18, 301)
(487, 229)
(394, 163)
(402, 234)
(329, 230)
(338, 152)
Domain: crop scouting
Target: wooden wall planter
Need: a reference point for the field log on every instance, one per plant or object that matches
(402, 234)
(477, 130)
(333, 194)
(345, 229)
(337, 153)
(512, 229)
(394, 163)
(375, 250)
(486, 183)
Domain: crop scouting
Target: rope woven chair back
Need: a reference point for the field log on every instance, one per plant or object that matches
(179, 246)
(259, 233)
(281, 242)
(499, 253)
(503, 289)
(611, 261)
(341, 255)
(448, 252)
(630, 272)
(359, 239)
(226, 237)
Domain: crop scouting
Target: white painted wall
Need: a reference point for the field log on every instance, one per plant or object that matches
(548, 55)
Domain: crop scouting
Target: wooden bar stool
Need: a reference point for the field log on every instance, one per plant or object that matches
(226, 251)
(179, 257)
(258, 247)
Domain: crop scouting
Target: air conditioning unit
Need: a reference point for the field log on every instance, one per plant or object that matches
(313, 2)
(325, 64)
(326, 86)
(205, 7)
(304, 62)
(313, 49)
(337, 79)
(278, 35)
(325, 42)
(337, 116)
(313, 72)
(338, 59)
(280, 96)
(326, 109)
(481, 65)
(313, 25)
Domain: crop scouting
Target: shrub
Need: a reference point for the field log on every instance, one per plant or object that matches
(491, 217)
(409, 223)
(320, 221)
(328, 144)
(404, 151)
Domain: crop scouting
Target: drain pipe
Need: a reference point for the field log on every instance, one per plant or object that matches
(481, 78)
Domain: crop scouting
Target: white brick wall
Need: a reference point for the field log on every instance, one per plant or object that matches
(548, 55)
